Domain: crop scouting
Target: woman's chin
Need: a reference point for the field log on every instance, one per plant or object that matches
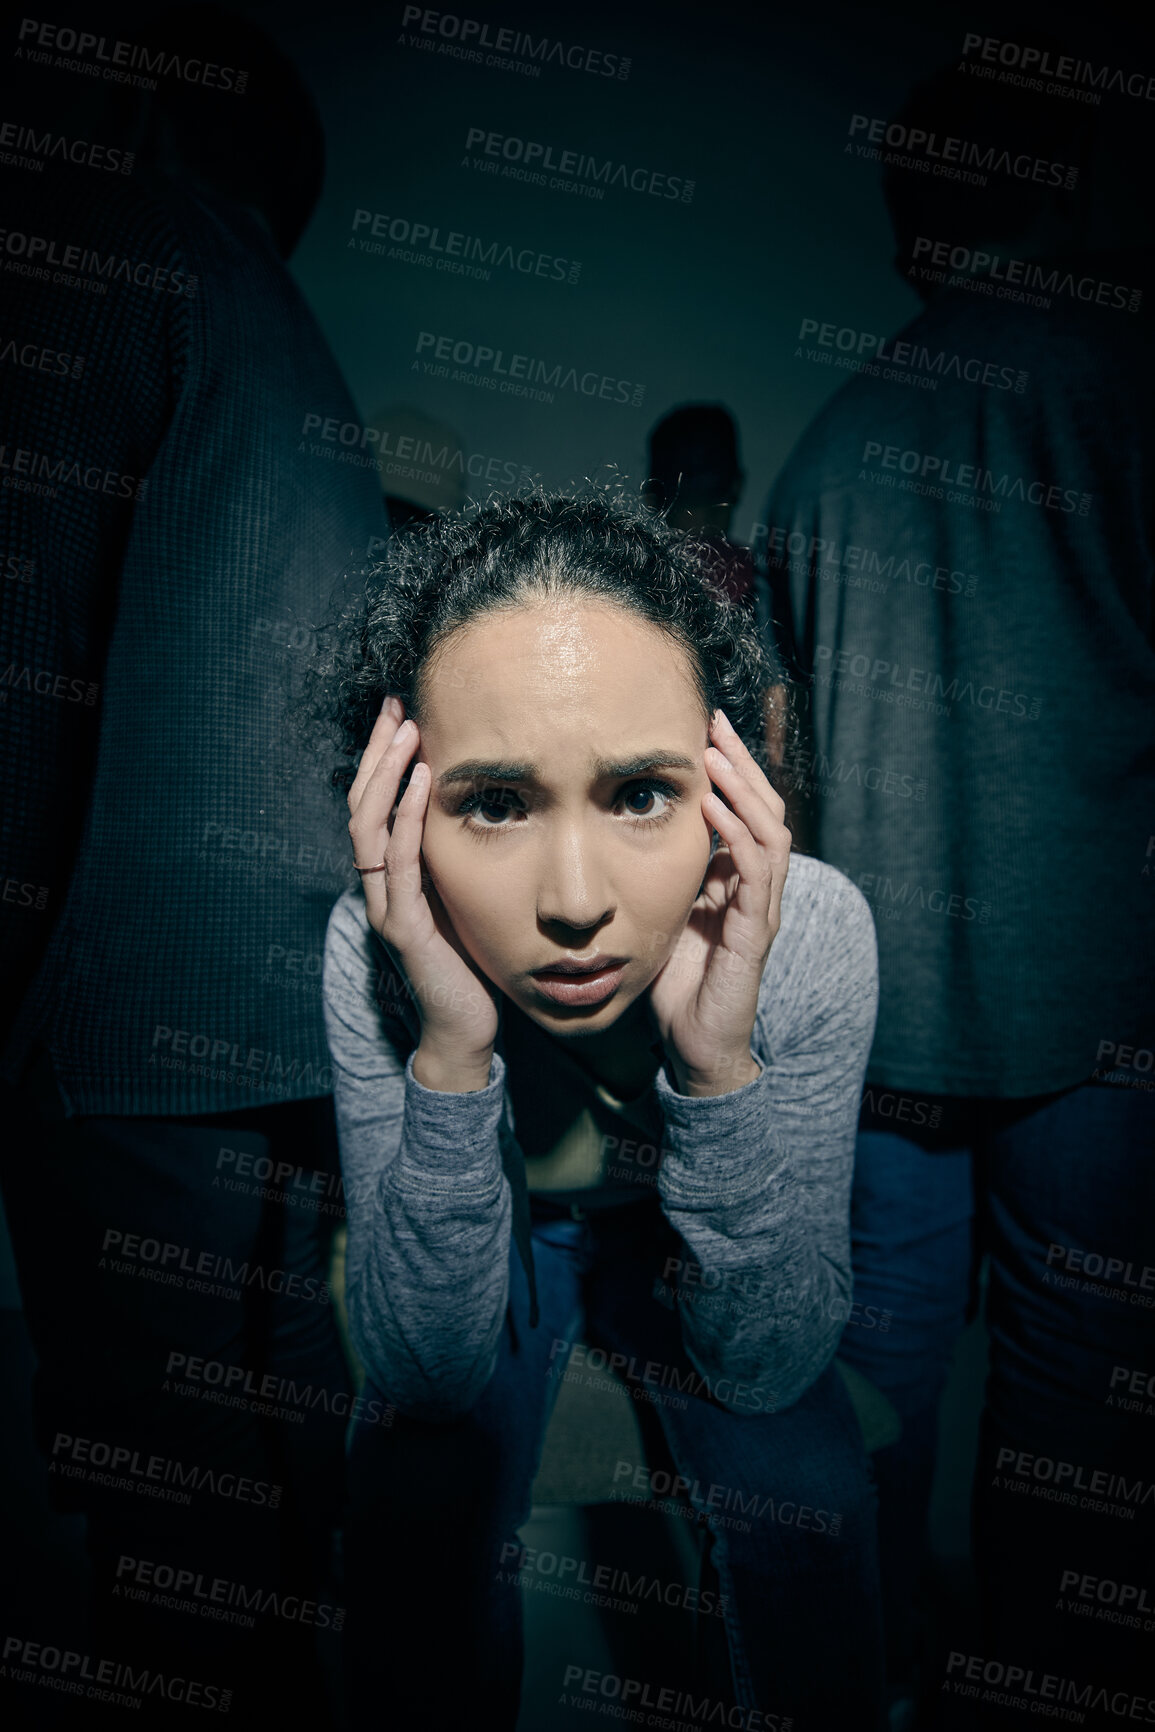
(576, 1017)
(575, 1021)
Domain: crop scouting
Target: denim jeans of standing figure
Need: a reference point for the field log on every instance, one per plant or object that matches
(434, 1633)
(1060, 1191)
(165, 1275)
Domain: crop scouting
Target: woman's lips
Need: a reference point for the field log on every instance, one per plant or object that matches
(589, 988)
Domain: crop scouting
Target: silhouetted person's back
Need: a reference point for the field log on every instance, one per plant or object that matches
(177, 542)
(961, 548)
(968, 568)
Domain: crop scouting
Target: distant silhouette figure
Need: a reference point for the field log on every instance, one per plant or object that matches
(696, 479)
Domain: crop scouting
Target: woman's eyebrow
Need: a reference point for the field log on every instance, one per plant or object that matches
(604, 768)
(482, 770)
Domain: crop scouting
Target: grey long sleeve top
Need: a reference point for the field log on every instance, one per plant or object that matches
(756, 1182)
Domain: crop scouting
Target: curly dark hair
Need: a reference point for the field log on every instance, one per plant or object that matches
(437, 576)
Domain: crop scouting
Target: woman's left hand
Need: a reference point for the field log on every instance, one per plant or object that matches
(705, 998)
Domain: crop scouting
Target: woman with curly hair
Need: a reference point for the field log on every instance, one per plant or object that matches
(576, 935)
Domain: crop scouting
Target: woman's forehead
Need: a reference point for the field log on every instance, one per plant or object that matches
(552, 622)
(566, 665)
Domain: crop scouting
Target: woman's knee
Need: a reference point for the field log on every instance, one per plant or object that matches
(805, 1469)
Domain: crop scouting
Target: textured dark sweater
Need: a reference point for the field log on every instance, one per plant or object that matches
(969, 573)
(757, 1181)
(171, 542)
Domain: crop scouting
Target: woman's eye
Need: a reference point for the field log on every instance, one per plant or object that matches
(646, 803)
(493, 811)
(649, 802)
(489, 808)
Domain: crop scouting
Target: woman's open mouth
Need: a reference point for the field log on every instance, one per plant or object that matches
(576, 984)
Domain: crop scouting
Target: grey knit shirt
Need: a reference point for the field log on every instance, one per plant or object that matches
(756, 1182)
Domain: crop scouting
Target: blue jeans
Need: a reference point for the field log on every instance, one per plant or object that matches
(434, 1510)
(1060, 1191)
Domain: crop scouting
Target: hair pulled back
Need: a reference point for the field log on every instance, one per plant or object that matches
(439, 576)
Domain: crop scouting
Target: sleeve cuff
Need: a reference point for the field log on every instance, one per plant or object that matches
(717, 1148)
(450, 1134)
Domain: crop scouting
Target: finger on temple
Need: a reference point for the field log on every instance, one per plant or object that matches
(369, 824)
(379, 741)
(405, 845)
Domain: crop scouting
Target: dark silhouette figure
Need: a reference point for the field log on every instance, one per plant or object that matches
(171, 1178)
(960, 547)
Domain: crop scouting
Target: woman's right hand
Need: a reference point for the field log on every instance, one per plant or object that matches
(459, 1007)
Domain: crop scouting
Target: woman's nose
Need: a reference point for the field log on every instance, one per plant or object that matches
(572, 889)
